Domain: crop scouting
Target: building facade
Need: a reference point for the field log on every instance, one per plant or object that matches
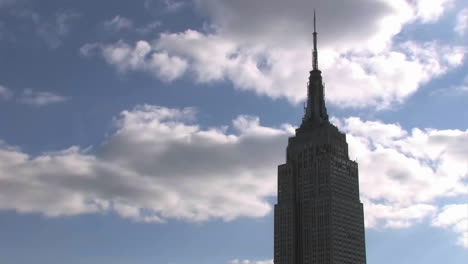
(319, 218)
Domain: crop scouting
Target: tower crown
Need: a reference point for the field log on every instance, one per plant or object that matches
(315, 111)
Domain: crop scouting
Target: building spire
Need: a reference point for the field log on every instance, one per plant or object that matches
(315, 53)
(315, 110)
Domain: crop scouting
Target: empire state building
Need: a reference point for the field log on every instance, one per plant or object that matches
(319, 218)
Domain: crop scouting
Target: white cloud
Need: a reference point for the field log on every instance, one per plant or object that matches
(462, 22)
(156, 166)
(342, 24)
(118, 23)
(431, 10)
(5, 93)
(40, 98)
(382, 215)
(387, 78)
(160, 165)
(402, 173)
(139, 57)
(455, 217)
(377, 80)
(430, 163)
(256, 52)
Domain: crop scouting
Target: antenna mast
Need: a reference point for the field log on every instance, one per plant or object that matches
(314, 53)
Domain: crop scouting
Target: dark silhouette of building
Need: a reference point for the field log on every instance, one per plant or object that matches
(319, 218)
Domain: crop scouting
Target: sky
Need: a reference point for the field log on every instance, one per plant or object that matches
(149, 132)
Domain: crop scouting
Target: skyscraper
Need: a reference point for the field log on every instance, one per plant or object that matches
(319, 218)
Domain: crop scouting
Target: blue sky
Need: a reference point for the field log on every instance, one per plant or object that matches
(149, 131)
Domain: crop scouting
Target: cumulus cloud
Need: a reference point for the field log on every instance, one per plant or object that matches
(139, 57)
(429, 11)
(454, 217)
(263, 47)
(462, 22)
(402, 173)
(364, 25)
(118, 23)
(383, 215)
(342, 24)
(378, 80)
(35, 98)
(383, 79)
(158, 165)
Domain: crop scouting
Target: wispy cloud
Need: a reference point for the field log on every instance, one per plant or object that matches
(31, 97)
(5, 93)
(53, 30)
(464, 86)
(34, 98)
(5, 2)
(149, 28)
(174, 5)
(2, 30)
(462, 22)
(118, 23)
(247, 261)
(167, 5)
